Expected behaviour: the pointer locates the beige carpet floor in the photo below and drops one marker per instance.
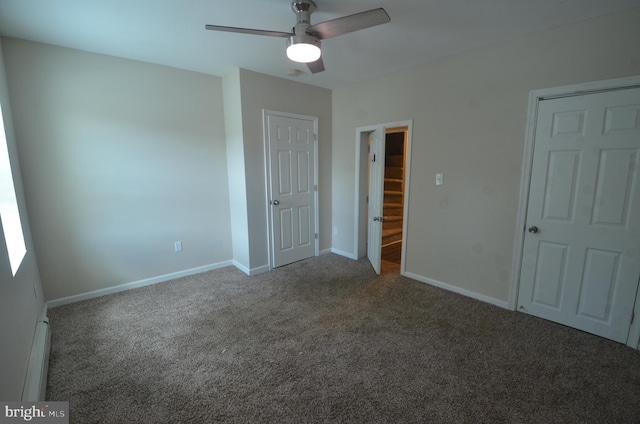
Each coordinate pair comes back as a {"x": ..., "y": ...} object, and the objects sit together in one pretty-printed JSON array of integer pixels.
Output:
[{"x": 327, "y": 341}]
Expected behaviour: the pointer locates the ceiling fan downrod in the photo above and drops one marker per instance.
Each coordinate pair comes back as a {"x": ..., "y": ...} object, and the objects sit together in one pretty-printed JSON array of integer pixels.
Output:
[{"x": 303, "y": 10}]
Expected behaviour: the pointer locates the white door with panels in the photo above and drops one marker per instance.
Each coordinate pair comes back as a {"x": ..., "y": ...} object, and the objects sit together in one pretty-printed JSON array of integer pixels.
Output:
[
  {"x": 291, "y": 143},
  {"x": 376, "y": 197},
  {"x": 581, "y": 253}
]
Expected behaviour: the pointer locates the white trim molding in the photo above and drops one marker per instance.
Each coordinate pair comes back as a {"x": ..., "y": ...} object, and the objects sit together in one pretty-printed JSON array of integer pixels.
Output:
[
  {"x": 325, "y": 251},
  {"x": 456, "y": 289},
  {"x": 345, "y": 254},
  {"x": 136, "y": 284},
  {"x": 252, "y": 271}
]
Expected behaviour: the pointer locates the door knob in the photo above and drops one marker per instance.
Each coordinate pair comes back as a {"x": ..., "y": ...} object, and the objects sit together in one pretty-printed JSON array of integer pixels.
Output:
[
  {"x": 276, "y": 202},
  {"x": 533, "y": 229}
]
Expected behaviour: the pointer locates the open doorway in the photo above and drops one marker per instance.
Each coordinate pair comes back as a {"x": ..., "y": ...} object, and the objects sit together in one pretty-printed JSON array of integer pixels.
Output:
[
  {"x": 393, "y": 197},
  {"x": 386, "y": 229}
]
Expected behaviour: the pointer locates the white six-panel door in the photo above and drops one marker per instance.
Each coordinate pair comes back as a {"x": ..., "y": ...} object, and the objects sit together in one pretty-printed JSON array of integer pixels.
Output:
[
  {"x": 376, "y": 197},
  {"x": 291, "y": 160},
  {"x": 581, "y": 254}
]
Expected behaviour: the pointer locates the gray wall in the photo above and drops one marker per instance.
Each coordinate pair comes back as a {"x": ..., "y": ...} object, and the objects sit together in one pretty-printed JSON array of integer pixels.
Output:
[
  {"x": 236, "y": 166},
  {"x": 469, "y": 115},
  {"x": 120, "y": 159},
  {"x": 260, "y": 92},
  {"x": 21, "y": 296},
  {"x": 123, "y": 158}
]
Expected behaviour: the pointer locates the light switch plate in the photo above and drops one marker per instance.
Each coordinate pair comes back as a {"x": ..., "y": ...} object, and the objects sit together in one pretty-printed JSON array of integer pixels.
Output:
[{"x": 439, "y": 179}]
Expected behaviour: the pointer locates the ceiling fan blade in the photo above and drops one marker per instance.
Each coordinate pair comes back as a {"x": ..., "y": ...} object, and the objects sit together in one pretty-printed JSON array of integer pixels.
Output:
[
  {"x": 349, "y": 23},
  {"x": 249, "y": 31},
  {"x": 317, "y": 66}
]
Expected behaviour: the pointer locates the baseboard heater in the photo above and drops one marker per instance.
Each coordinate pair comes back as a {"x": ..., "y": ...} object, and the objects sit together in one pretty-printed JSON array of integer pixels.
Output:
[{"x": 35, "y": 385}]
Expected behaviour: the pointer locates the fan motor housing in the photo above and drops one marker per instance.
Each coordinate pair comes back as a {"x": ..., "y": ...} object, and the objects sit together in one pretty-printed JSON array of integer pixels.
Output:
[
  {"x": 303, "y": 6},
  {"x": 303, "y": 9}
]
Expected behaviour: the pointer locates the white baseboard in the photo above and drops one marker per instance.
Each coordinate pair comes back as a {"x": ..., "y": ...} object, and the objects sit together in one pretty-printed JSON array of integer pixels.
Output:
[
  {"x": 242, "y": 267},
  {"x": 35, "y": 383},
  {"x": 501, "y": 303},
  {"x": 264, "y": 268},
  {"x": 259, "y": 270},
  {"x": 346, "y": 254},
  {"x": 251, "y": 271},
  {"x": 136, "y": 284}
]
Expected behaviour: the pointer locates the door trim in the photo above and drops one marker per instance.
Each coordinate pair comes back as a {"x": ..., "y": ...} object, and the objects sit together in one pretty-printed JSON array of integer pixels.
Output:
[
  {"x": 361, "y": 181},
  {"x": 267, "y": 177},
  {"x": 535, "y": 96}
]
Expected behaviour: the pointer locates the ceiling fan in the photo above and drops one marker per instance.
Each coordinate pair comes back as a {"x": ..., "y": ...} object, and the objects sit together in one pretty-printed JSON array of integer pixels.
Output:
[{"x": 303, "y": 42}]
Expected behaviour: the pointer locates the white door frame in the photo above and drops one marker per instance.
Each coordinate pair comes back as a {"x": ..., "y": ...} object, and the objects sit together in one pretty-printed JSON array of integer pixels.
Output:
[
  {"x": 535, "y": 96},
  {"x": 267, "y": 176},
  {"x": 361, "y": 184}
]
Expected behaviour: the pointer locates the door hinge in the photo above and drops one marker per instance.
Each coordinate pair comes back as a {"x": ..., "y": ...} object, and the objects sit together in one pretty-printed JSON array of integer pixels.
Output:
[
  {"x": 315, "y": 236},
  {"x": 373, "y": 159},
  {"x": 315, "y": 137},
  {"x": 367, "y": 199},
  {"x": 633, "y": 315},
  {"x": 315, "y": 187}
]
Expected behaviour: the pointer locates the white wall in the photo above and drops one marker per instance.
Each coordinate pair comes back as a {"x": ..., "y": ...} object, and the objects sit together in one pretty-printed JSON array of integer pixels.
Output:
[
  {"x": 120, "y": 159},
  {"x": 21, "y": 296},
  {"x": 469, "y": 115}
]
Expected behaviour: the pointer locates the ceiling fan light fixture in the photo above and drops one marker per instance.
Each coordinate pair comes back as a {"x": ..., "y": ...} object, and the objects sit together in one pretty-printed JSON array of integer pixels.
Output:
[
  {"x": 303, "y": 48},
  {"x": 303, "y": 42}
]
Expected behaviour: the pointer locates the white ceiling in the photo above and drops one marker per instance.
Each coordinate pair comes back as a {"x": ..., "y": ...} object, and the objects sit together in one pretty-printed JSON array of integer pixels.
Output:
[{"x": 171, "y": 32}]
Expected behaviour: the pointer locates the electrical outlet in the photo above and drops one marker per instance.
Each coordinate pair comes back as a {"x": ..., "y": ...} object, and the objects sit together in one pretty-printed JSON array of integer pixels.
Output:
[
  {"x": 335, "y": 231},
  {"x": 178, "y": 246},
  {"x": 439, "y": 179}
]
